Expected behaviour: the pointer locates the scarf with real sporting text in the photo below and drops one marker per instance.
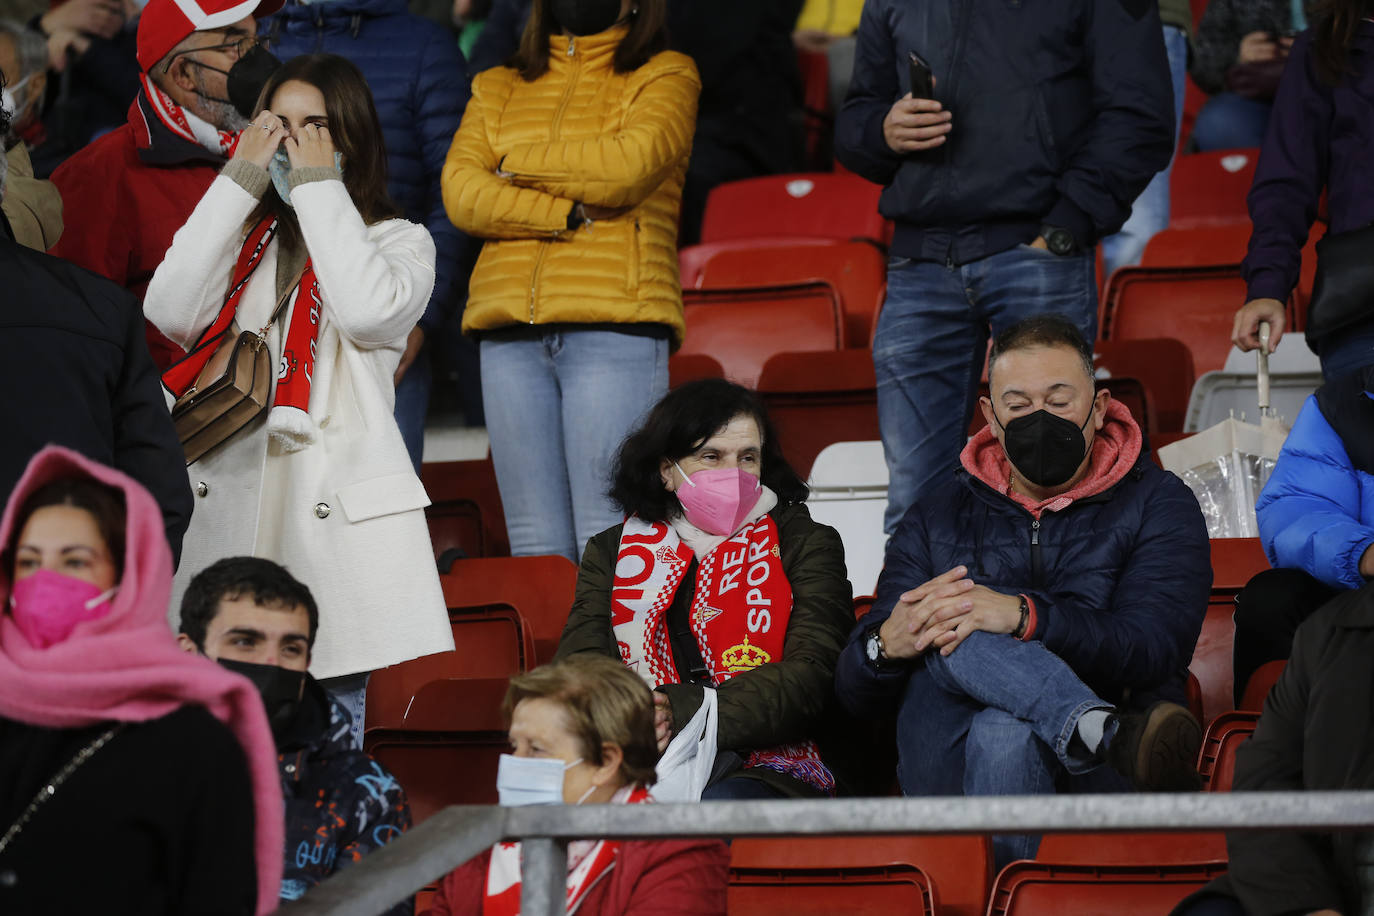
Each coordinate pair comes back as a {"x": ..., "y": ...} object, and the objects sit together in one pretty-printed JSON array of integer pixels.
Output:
[
  {"x": 739, "y": 616},
  {"x": 186, "y": 124},
  {"x": 289, "y": 419},
  {"x": 588, "y": 862}
]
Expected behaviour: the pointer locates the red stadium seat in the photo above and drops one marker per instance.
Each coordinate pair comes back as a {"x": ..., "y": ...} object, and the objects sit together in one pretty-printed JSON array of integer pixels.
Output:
[
  {"x": 1121, "y": 874},
  {"x": 873, "y": 875},
  {"x": 1213, "y": 246},
  {"x": 816, "y": 399},
  {"x": 1164, "y": 367},
  {"x": 539, "y": 589},
  {"x": 1234, "y": 562},
  {"x": 693, "y": 259},
  {"x": 1217, "y": 759},
  {"x": 807, "y": 205},
  {"x": 691, "y": 367},
  {"x": 742, "y": 328},
  {"x": 1195, "y": 305},
  {"x": 819, "y": 122},
  {"x": 465, "y": 510},
  {"x": 856, "y": 270},
  {"x": 1260, "y": 683},
  {"x": 1209, "y": 189}
]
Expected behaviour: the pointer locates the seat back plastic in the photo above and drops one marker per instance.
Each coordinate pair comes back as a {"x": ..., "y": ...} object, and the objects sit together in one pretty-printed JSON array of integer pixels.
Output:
[
  {"x": 857, "y": 270},
  {"x": 1259, "y": 685},
  {"x": 823, "y": 205},
  {"x": 1217, "y": 758},
  {"x": 1213, "y": 246},
  {"x": 953, "y": 871},
  {"x": 540, "y": 589},
  {"x": 1037, "y": 889},
  {"x": 817, "y": 399},
  {"x": 742, "y": 328},
  {"x": 1209, "y": 189},
  {"x": 465, "y": 508},
  {"x": 1195, "y": 305},
  {"x": 1162, "y": 365}
]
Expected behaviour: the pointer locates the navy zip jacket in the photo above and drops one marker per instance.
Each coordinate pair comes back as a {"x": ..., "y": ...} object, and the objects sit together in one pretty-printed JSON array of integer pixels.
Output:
[
  {"x": 1120, "y": 580},
  {"x": 1062, "y": 113},
  {"x": 1318, "y": 138},
  {"x": 419, "y": 84}
]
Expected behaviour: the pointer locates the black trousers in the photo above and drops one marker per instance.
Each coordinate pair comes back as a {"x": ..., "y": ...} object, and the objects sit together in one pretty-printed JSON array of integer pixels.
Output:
[{"x": 1268, "y": 612}]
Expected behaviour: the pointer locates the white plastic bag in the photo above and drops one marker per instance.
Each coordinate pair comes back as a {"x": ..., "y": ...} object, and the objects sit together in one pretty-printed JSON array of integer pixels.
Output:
[{"x": 686, "y": 763}]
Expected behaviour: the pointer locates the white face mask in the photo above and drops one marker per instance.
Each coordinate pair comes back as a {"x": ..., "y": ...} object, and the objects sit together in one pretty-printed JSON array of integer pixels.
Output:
[
  {"x": 7, "y": 100},
  {"x": 531, "y": 780}
]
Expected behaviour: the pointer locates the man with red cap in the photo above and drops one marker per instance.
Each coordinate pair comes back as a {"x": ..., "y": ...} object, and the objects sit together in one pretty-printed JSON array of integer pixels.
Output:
[{"x": 128, "y": 192}]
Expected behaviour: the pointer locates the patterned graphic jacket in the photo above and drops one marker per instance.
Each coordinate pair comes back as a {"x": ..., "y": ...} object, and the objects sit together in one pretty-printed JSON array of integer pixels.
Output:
[{"x": 340, "y": 803}]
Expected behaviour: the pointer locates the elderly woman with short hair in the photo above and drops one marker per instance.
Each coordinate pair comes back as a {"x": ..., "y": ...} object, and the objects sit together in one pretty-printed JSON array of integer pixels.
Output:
[{"x": 582, "y": 733}]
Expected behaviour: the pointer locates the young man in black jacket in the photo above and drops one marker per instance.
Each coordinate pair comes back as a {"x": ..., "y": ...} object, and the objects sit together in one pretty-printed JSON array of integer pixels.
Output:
[
  {"x": 1048, "y": 118},
  {"x": 254, "y": 618}
]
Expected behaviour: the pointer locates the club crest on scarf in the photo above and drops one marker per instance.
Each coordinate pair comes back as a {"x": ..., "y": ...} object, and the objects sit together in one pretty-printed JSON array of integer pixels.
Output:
[{"x": 739, "y": 613}]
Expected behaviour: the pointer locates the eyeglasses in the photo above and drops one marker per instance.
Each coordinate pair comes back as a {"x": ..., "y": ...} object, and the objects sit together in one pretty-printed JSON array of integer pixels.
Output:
[{"x": 234, "y": 49}]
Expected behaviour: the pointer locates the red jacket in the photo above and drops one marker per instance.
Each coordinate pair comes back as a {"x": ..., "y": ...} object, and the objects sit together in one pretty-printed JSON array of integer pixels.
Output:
[
  {"x": 650, "y": 878},
  {"x": 124, "y": 196}
]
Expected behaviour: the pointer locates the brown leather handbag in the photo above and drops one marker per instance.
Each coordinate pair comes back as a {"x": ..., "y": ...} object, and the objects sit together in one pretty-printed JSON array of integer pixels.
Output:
[{"x": 231, "y": 390}]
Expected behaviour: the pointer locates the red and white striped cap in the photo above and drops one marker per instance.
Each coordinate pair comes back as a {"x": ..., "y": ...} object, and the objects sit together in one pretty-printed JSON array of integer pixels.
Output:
[{"x": 164, "y": 23}]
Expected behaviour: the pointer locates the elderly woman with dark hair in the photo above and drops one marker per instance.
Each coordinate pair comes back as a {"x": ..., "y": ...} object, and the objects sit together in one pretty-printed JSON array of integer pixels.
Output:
[{"x": 719, "y": 578}]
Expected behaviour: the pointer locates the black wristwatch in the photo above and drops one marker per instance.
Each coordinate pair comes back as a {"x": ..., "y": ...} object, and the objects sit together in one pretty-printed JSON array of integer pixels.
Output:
[
  {"x": 1058, "y": 240},
  {"x": 873, "y": 649}
]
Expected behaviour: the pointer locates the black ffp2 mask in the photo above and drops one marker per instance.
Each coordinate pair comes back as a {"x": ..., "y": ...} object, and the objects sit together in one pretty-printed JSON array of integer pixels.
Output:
[
  {"x": 281, "y": 690},
  {"x": 245, "y": 79},
  {"x": 586, "y": 17},
  {"x": 1045, "y": 448}
]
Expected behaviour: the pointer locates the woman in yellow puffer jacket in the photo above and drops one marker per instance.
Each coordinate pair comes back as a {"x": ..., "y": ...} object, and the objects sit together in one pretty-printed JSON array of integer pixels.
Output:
[{"x": 570, "y": 163}]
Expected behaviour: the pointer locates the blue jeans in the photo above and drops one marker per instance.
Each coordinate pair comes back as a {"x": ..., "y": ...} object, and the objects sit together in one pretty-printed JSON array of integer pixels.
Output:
[
  {"x": 558, "y": 407},
  {"x": 1150, "y": 212},
  {"x": 997, "y": 716},
  {"x": 930, "y": 345},
  {"x": 1230, "y": 121},
  {"x": 412, "y": 406}
]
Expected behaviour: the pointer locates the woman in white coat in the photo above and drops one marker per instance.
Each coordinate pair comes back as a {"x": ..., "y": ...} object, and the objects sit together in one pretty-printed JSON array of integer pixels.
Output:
[{"x": 321, "y": 483}]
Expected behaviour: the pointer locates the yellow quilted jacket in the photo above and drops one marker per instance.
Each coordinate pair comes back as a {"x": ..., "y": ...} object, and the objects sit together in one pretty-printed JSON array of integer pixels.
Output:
[{"x": 527, "y": 151}]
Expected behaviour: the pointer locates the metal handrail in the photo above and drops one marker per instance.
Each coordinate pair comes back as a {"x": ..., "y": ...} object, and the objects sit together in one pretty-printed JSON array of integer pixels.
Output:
[{"x": 454, "y": 835}]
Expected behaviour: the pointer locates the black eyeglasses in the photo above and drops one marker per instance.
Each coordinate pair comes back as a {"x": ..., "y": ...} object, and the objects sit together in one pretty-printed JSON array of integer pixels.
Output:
[{"x": 233, "y": 49}]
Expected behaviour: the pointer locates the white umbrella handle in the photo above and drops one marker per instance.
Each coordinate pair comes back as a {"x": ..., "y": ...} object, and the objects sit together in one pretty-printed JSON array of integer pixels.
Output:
[{"x": 1263, "y": 373}]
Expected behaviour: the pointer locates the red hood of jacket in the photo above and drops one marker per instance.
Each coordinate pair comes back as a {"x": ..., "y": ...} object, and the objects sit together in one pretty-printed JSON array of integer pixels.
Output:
[{"x": 1116, "y": 448}]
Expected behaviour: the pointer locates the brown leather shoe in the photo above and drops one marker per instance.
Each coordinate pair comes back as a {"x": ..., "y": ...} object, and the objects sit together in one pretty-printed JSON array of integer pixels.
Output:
[{"x": 1157, "y": 749}]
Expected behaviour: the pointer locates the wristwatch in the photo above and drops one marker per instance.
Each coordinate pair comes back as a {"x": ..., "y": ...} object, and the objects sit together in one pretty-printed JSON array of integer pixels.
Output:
[
  {"x": 1060, "y": 241},
  {"x": 873, "y": 649},
  {"x": 1020, "y": 631}
]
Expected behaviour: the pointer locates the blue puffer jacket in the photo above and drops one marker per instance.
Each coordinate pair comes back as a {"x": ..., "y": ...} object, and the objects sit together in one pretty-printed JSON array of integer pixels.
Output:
[
  {"x": 419, "y": 84},
  {"x": 1316, "y": 513},
  {"x": 1120, "y": 580}
]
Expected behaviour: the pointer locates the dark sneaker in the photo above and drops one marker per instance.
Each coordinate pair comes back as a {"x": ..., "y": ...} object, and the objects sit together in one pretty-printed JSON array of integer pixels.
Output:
[{"x": 1157, "y": 749}]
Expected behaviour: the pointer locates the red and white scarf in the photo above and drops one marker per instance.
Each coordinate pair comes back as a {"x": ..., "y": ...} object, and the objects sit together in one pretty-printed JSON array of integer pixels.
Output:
[
  {"x": 186, "y": 124},
  {"x": 289, "y": 419},
  {"x": 739, "y": 616},
  {"x": 588, "y": 862}
]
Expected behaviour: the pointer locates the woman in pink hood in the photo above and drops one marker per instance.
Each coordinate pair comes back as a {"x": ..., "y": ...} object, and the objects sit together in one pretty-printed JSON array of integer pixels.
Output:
[{"x": 134, "y": 778}]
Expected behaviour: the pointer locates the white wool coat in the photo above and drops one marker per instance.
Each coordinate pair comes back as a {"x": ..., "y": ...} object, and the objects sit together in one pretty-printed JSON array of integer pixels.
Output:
[{"x": 345, "y": 514}]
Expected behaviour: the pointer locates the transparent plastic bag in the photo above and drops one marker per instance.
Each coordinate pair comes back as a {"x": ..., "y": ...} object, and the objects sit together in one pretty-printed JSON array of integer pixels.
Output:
[{"x": 1226, "y": 489}]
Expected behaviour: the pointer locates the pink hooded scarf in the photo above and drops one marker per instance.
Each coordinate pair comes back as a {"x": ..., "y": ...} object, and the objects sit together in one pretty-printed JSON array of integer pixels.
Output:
[{"x": 126, "y": 666}]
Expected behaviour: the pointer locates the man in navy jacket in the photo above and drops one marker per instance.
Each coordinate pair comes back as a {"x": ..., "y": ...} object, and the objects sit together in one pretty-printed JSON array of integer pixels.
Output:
[
  {"x": 1038, "y": 608},
  {"x": 1048, "y": 118}
]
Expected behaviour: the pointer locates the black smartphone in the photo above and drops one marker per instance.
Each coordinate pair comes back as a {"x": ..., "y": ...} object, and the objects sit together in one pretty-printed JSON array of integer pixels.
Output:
[{"x": 922, "y": 80}]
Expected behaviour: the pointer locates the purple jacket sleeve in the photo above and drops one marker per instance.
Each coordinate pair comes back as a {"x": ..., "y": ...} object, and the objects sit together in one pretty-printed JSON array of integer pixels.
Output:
[{"x": 1289, "y": 179}]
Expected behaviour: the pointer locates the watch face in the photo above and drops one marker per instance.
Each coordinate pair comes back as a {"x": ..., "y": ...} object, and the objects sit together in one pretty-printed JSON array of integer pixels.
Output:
[
  {"x": 1060, "y": 241},
  {"x": 871, "y": 647}
]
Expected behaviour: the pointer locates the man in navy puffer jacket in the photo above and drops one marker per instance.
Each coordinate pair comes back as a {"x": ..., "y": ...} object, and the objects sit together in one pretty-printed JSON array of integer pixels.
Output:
[
  {"x": 1038, "y": 608},
  {"x": 419, "y": 83}
]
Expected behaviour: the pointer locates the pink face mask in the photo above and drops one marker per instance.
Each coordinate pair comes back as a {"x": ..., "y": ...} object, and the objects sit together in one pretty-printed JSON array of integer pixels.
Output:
[
  {"x": 718, "y": 499},
  {"x": 47, "y": 606}
]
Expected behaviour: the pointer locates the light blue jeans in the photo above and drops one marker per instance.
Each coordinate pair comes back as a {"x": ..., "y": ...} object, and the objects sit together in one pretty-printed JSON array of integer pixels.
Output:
[
  {"x": 1230, "y": 121},
  {"x": 1150, "y": 212},
  {"x": 931, "y": 341},
  {"x": 412, "y": 405},
  {"x": 997, "y": 716},
  {"x": 558, "y": 407}
]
